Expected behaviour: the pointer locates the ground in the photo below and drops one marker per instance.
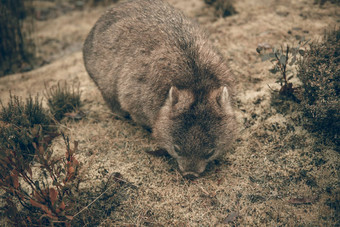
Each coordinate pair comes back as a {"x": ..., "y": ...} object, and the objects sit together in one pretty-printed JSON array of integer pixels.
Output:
[{"x": 277, "y": 172}]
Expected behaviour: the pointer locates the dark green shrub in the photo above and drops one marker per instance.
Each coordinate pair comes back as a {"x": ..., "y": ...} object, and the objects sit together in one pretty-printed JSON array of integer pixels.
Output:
[
  {"x": 223, "y": 8},
  {"x": 62, "y": 99},
  {"x": 25, "y": 114},
  {"x": 17, "y": 122},
  {"x": 319, "y": 72}
]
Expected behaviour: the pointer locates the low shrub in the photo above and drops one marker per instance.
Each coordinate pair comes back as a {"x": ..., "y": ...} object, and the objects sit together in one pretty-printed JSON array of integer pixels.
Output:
[
  {"x": 283, "y": 59},
  {"x": 62, "y": 99},
  {"x": 40, "y": 197},
  {"x": 319, "y": 72},
  {"x": 17, "y": 125},
  {"x": 223, "y": 8}
]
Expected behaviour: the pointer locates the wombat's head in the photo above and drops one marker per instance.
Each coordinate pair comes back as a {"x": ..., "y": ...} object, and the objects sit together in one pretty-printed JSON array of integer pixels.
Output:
[{"x": 195, "y": 128}]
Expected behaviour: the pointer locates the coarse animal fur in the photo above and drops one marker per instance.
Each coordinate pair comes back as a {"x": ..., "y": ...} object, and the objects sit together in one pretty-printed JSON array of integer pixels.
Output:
[{"x": 154, "y": 64}]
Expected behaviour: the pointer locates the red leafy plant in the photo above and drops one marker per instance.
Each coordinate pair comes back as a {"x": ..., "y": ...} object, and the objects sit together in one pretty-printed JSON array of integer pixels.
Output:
[{"x": 44, "y": 199}]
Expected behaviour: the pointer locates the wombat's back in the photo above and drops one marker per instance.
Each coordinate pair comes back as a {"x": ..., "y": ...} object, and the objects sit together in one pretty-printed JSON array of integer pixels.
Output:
[
  {"x": 131, "y": 53},
  {"x": 137, "y": 51}
]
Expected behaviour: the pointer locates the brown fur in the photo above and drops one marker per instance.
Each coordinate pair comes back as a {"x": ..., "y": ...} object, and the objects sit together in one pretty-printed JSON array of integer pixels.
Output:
[{"x": 154, "y": 64}]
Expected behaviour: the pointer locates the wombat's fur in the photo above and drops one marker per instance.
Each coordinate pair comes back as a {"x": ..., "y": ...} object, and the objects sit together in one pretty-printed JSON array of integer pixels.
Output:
[{"x": 156, "y": 65}]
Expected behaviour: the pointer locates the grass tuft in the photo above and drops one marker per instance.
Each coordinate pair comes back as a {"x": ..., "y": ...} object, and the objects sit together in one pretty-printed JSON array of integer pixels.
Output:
[
  {"x": 63, "y": 99},
  {"x": 18, "y": 121}
]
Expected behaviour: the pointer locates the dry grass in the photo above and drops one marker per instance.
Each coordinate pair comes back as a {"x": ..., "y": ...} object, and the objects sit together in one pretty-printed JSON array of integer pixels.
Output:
[{"x": 277, "y": 173}]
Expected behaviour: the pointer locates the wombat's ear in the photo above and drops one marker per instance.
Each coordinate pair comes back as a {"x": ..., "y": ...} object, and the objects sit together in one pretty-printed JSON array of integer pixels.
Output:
[
  {"x": 223, "y": 100},
  {"x": 173, "y": 95}
]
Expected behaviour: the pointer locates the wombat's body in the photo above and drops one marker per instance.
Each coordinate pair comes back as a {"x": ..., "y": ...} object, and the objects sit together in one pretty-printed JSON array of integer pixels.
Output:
[{"x": 154, "y": 64}]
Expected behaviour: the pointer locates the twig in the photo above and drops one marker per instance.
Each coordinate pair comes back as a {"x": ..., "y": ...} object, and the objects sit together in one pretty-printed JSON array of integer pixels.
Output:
[
  {"x": 92, "y": 202},
  {"x": 285, "y": 66},
  {"x": 271, "y": 88}
]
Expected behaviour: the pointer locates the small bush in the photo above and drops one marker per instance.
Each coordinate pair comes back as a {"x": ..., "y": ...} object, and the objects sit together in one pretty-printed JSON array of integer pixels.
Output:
[
  {"x": 41, "y": 199},
  {"x": 319, "y": 72},
  {"x": 17, "y": 123},
  {"x": 283, "y": 59},
  {"x": 62, "y": 99},
  {"x": 25, "y": 114},
  {"x": 37, "y": 187},
  {"x": 223, "y": 8}
]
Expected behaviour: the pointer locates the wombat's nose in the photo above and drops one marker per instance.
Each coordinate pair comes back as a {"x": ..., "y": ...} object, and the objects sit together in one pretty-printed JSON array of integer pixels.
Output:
[{"x": 190, "y": 175}]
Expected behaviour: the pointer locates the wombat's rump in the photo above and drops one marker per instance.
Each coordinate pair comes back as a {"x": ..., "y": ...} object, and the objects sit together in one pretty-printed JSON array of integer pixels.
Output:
[{"x": 154, "y": 64}]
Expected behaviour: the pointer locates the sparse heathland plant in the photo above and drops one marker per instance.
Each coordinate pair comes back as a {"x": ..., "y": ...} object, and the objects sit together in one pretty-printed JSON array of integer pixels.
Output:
[
  {"x": 223, "y": 8},
  {"x": 32, "y": 197},
  {"x": 319, "y": 72},
  {"x": 17, "y": 124},
  {"x": 39, "y": 187},
  {"x": 283, "y": 58},
  {"x": 38, "y": 195},
  {"x": 63, "y": 99}
]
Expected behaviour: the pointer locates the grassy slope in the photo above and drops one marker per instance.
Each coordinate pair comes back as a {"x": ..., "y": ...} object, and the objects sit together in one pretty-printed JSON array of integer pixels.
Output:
[{"x": 273, "y": 162}]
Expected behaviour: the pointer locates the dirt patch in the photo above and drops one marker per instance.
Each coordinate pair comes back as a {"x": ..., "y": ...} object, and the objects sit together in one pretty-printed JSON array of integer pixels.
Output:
[{"x": 277, "y": 172}]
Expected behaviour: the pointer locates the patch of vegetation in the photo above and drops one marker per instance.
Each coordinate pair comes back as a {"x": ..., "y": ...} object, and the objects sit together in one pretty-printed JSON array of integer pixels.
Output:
[
  {"x": 322, "y": 2},
  {"x": 17, "y": 126},
  {"x": 38, "y": 196},
  {"x": 63, "y": 99},
  {"x": 282, "y": 59},
  {"x": 38, "y": 187},
  {"x": 25, "y": 114},
  {"x": 223, "y": 8},
  {"x": 17, "y": 48},
  {"x": 319, "y": 72},
  {"x": 47, "y": 193}
]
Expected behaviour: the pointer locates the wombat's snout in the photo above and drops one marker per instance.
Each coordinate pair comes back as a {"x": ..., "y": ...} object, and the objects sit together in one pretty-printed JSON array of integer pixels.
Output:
[{"x": 191, "y": 168}]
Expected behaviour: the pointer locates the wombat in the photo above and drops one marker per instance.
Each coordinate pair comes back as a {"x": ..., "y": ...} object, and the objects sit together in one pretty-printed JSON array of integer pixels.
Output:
[{"x": 155, "y": 65}]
